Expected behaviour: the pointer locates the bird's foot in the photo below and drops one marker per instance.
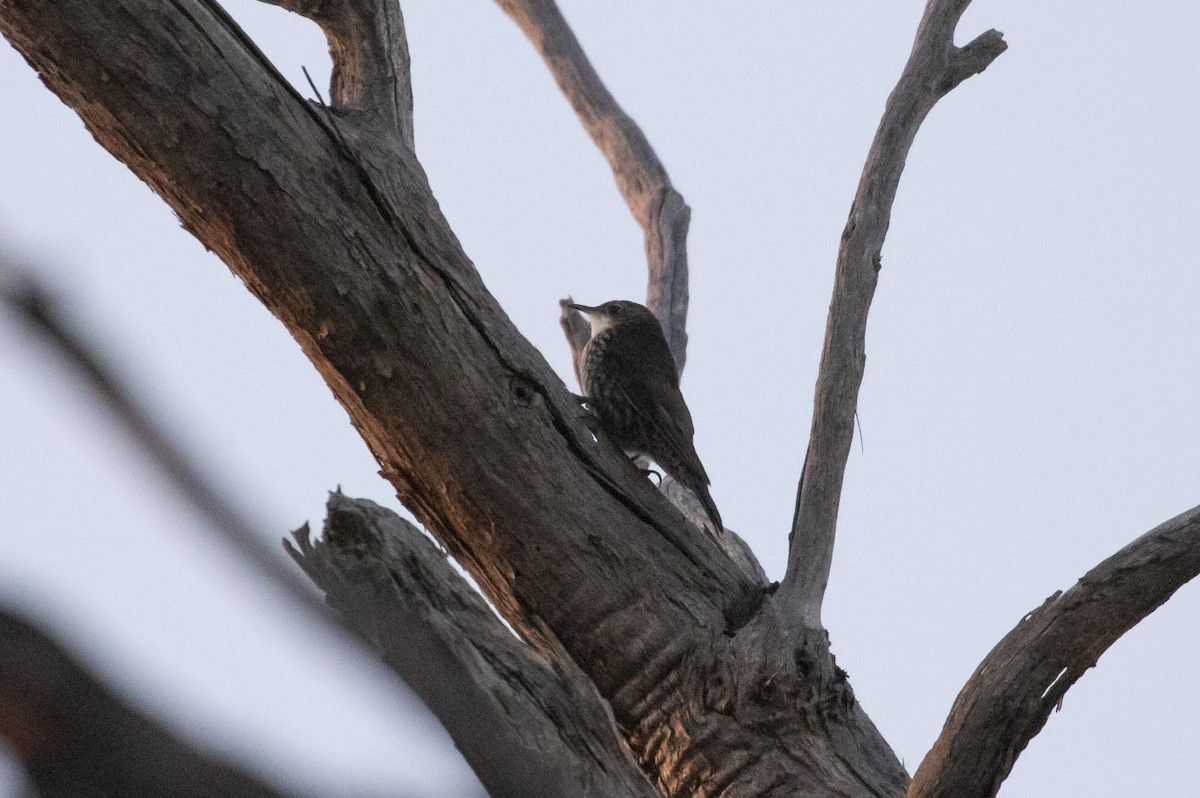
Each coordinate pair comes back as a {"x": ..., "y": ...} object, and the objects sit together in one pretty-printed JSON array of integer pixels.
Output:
[
  {"x": 650, "y": 473},
  {"x": 586, "y": 414}
]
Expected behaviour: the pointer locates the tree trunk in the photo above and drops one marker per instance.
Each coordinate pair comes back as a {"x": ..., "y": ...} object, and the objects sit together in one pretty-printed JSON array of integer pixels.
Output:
[{"x": 717, "y": 685}]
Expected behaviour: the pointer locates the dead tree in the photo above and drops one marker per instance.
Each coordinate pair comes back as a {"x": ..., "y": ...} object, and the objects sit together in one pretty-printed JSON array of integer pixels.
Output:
[{"x": 652, "y": 660}]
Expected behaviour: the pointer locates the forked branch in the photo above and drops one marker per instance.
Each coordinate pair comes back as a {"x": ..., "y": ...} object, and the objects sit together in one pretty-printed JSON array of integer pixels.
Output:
[
  {"x": 935, "y": 67},
  {"x": 1011, "y": 694},
  {"x": 641, "y": 177},
  {"x": 371, "y": 72},
  {"x": 347, "y": 246}
]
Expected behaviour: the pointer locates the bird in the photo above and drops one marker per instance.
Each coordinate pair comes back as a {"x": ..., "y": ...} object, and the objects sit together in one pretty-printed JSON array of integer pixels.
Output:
[{"x": 631, "y": 385}]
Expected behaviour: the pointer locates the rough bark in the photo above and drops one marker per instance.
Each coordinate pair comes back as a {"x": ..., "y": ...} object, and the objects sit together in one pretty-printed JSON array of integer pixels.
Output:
[
  {"x": 76, "y": 738},
  {"x": 935, "y": 67},
  {"x": 501, "y": 702},
  {"x": 717, "y": 687},
  {"x": 370, "y": 81},
  {"x": 332, "y": 225},
  {"x": 1011, "y": 694},
  {"x": 335, "y": 230}
]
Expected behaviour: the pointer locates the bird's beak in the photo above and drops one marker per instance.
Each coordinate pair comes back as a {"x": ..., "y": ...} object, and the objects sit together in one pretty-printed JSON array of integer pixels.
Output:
[{"x": 582, "y": 308}]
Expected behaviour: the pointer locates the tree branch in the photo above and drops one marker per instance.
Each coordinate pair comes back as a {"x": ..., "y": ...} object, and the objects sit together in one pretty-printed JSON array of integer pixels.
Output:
[
  {"x": 337, "y": 232},
  {"x": 934, "y": 67},
  {"x": 74, "y": 737},
  {"x": 349, "y": 249},
  {"x": 342, "y": 239},
  {"x": 730, "y": 542},
  {"x": 371, "y": 70},
  {"x": 578, "y": 332},
  {"x": 24, "y": 297},
  {"x": 641, "y": 177},
  {"x": 1011, "y": 694},
  {"x": 525, "y": 726}
]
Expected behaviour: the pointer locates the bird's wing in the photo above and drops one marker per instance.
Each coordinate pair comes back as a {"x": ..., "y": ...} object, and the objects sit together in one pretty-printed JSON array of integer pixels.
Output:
[
  {"x": 662, "y": 407},
  {"x": 670, "y": 401},
  {"x": 643, "y": 371}
]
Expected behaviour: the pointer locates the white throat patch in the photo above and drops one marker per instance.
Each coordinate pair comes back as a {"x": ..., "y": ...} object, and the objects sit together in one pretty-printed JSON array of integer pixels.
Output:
[{"x": 600, "y": 323}]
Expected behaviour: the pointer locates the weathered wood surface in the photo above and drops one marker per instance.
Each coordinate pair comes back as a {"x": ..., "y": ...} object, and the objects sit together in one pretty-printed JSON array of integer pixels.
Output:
[
  {"x": 502, "y": 702},
  {"x": 717, "y": 687}
]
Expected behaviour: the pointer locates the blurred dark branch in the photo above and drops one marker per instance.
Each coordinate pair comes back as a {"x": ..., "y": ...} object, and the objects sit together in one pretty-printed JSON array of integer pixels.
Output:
[
  {"x": 25, "y": 298},
  {"x": 75, "y": 738}
]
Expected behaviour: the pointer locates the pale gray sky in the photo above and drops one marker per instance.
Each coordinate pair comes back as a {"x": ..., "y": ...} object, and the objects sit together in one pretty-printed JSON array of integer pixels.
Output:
[{"x": 1030, "y": 402}]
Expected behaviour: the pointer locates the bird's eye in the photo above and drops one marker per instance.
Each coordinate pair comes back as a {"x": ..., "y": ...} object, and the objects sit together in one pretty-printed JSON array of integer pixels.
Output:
[{"x": 614, "y": 309}]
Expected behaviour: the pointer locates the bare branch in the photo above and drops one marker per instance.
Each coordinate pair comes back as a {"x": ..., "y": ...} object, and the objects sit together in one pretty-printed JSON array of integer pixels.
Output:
[
  {"x": 75, "y": 737},
  {"x": 641, "y": 177},
  {"x": 21, "y": 295},
  {"x": 525, "y": 726},
  {"x": 1011, "y": 694},
  {"x": 935, "y": 67},
  {"x": 371, "y": 68},
  {"x": 578, "y": 332},
  {"x": 346, "y": 245},
  {"x": 349, "y": 249}
]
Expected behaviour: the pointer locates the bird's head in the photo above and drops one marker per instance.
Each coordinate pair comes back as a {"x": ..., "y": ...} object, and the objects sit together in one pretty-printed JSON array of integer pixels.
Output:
[{"x": 615, "y": 313}]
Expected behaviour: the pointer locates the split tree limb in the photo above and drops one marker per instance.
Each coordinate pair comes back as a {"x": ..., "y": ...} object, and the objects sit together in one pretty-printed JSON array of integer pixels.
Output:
[
  {"x": 641, "y": 177},
  {"x": 337, "y": 232},
  {"x": 371, "y": 69},
  {"x": 1011, "y": 694},
  {"x": 934, "y": 67},
  {"x": 525, "y": 726}
]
